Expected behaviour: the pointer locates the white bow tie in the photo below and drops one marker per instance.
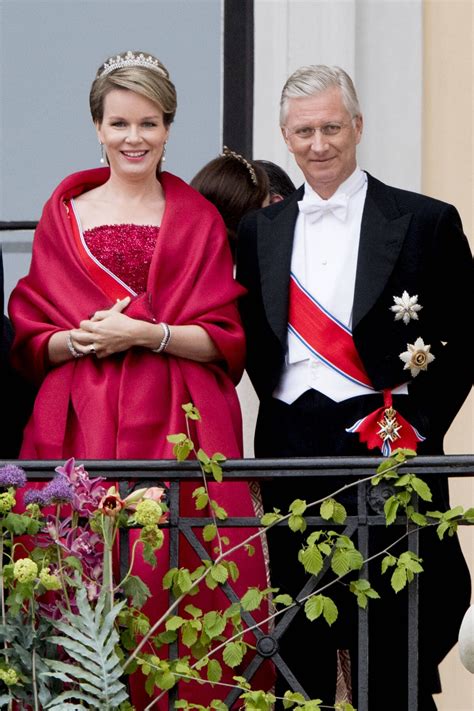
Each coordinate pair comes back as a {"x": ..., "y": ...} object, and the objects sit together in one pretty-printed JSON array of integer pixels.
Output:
[{"x": 314, "y": 209}]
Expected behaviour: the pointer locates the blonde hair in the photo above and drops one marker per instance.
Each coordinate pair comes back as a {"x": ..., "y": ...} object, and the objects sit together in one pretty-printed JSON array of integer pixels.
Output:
[{"x": 150, "y": 81}]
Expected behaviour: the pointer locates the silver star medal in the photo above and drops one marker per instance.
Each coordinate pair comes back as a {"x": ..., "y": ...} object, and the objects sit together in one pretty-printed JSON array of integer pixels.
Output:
[
  {"x": 406, "y": 308},
  {"x": 417, "y": 357}
]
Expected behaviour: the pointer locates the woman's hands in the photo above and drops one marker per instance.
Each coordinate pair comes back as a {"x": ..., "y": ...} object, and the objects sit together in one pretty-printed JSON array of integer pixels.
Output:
[
  {"x": 107, "y": 332},
  {"x": 110, "y": 331}
]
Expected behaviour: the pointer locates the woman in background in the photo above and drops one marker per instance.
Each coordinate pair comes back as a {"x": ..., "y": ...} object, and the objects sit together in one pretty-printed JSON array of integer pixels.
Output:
[
  {"x": 235, "y": 186},
  {"x": 129, "y": 310}
]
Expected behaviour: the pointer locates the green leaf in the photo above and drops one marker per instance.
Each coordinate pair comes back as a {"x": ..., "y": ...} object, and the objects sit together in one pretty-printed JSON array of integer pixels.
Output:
[
  {"x": 191, "y": 411},
  {"x": 174, "y": 623},
  {"x": 390, "y": 509},
  {"x": 421, "y": 488},
  {"x": 168, "y": 578},
  {"x": 311, "y": 559},
  {"x": 269, "y": 518},
  {"x": 189, "y": 635},
  {"x": 388, "y": 562},
  {"x": 202, "y": 498},
  {"x": 418, "y": 518},
  {"x": 284, "y": 600},
  {"x": 137, "y": 590},
  {"x": 252, "y": 599},
  {"x": 327, "y": 509},
  {"x": 330, "y": 612},
  {"x": 250, "y": 549},
  {"x": 219, "y": 573},
  {"x": 314, "y": 607},
  {"x": 441, "y": 529},
  {"x": 167, "y": 680},
  {"x": 202, "y": 456},
  {"x": 216, "y": 471},
  {"x": 183, "y": 580},
  {"x": 452, "y": 513},
  {"x": 214, "y": 670},
  {"x": 339, "y": 514},
  {"x": 233, "y": 654},
  {"x": 177, "y": 438},
  {"x": 298, "y": 507},
  {"x": 213, "y": 624},
  {"x": 209, "y": 532},
  {"x": 399, "y": 579},
  {"x": 297, "y": 523}
]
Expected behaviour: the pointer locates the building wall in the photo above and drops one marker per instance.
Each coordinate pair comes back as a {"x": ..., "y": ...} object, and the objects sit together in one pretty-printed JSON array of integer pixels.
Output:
[{"x": 447, "y": 173}]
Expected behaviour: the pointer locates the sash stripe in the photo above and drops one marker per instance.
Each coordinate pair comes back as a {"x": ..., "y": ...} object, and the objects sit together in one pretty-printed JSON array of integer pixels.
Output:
[{"x": 323, "y": 335}]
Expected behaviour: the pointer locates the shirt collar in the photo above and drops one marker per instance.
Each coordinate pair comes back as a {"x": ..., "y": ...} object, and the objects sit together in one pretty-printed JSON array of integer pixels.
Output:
[{"x": 349, "y": 187}]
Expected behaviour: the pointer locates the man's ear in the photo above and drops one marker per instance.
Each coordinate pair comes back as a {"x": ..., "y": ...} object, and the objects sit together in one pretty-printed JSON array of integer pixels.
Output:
[{"x": 285, "y": 138}]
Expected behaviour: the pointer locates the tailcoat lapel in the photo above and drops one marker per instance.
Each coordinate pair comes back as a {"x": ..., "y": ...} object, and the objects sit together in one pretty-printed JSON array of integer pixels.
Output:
[
  {"x": 275, "y": 245},
  {"x": 383, "y": 230}
]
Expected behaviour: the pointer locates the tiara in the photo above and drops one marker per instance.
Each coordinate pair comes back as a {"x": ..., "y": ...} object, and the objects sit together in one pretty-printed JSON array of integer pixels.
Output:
[
  {"x": 131, "y": 60},
  {"x": 227, "y": 153}
]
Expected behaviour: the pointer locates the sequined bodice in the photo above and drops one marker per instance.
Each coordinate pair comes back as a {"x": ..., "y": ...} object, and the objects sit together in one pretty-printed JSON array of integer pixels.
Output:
[{"x": 126, "y": 250}]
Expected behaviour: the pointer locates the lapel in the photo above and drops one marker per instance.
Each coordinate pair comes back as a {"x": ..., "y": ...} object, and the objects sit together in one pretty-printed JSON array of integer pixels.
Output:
[
  {"x": 383, "y": 230},
  {"x": 275, "y": 244}
]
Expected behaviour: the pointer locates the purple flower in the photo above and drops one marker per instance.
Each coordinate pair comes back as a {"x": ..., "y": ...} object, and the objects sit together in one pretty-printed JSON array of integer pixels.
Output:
[
  {"x": 35, "y": 496},
  {"x": 11, "y": 475},
  {"x": 86, "y": 492},
  {"x": 59, "y": 490}
]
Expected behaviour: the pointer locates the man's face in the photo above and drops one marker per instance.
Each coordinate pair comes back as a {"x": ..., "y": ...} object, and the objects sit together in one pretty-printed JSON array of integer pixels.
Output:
[{"x": 326, "y": 160}]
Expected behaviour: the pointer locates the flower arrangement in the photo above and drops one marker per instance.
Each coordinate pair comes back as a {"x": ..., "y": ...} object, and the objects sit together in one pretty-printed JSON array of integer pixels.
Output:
[{"x": 71, "y": 630}]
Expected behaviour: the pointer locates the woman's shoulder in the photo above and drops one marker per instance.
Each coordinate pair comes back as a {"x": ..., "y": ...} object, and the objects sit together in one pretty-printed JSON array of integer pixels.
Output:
[{"x": 177, "y": 188}]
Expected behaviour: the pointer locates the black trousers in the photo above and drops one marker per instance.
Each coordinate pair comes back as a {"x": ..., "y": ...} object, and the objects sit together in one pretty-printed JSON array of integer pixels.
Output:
[{"x": 314, "y": 426}]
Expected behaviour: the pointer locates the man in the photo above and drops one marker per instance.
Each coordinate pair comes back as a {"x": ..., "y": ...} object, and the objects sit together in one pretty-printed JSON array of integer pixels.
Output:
[
  {"x": 281, "y": 185},
  {"x": 357, "y": 301}
]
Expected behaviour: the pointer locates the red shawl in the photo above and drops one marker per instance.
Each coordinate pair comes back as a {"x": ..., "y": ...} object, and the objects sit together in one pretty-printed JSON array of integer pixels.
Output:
[
  {"x": 122, "y": 407},
  {"x": 127, "y": 404}
]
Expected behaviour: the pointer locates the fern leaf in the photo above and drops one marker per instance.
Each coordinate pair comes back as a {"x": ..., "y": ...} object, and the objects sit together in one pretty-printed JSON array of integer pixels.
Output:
[{"x": 94, "y": 668}]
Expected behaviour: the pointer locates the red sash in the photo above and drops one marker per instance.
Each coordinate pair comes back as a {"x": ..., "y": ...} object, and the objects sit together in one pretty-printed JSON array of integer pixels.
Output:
[
  {"x": 330, "y": 341},
  {"x": 323, "y": 335}
]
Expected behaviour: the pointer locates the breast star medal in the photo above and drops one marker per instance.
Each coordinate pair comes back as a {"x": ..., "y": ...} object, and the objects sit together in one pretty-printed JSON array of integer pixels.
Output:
[{"x": 406, "y": 307}]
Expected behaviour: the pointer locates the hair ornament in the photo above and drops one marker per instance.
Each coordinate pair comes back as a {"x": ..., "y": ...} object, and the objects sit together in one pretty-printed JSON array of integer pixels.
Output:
[
  {"x": 227, "y": 153},
  {"x": 131, "y": 60}
]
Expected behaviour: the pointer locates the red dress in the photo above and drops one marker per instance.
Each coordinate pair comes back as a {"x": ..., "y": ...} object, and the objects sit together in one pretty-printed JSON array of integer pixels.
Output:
[{"x": 123, "y": 406}]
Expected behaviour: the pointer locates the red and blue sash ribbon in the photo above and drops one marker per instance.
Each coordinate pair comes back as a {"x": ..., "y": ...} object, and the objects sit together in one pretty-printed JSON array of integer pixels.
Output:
[{"x": 329, "y": 340}]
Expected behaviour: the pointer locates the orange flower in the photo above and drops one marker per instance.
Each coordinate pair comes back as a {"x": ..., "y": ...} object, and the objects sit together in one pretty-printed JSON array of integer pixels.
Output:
[{"x": 111, "y": 504}]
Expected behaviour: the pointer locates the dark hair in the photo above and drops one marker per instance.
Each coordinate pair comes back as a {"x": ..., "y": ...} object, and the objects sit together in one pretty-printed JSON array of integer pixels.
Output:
[
  {"x": 280, "y": 182},
  {"x": 235, "y": 186}
]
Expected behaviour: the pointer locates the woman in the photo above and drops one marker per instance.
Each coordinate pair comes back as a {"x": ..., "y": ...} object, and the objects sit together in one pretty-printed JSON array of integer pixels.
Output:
[
  {"x": 235, "y": 186},
  {"x": 128, "y": 310}
]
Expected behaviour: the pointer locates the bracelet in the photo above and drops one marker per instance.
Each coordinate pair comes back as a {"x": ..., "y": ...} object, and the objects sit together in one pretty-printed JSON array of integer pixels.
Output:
[
  {"x": 72, "y": 350},
  {"x": 165, "y": 340}
]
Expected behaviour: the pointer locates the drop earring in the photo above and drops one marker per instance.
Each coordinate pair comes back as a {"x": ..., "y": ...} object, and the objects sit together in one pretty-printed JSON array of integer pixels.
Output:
[
  {"x": 102, "y": 154},
  {"x": 163, "y": 155}
]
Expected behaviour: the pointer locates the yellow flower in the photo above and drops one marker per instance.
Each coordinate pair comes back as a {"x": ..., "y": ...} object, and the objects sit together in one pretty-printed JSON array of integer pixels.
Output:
[{"x": 25, "y": 570}]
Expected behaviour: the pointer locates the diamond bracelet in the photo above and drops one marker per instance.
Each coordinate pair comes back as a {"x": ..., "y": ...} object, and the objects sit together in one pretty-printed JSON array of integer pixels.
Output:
[
  {"x": 72, "y": 349},
  {"x": 165, "y": 340}
]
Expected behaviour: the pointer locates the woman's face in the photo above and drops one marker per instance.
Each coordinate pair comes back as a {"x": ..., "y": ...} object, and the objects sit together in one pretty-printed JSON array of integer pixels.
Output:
[{"x": 133, "y": 133}]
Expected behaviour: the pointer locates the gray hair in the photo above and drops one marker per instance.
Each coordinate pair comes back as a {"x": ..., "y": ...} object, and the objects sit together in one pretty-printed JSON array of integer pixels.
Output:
[{"x": 310, "y": 80}]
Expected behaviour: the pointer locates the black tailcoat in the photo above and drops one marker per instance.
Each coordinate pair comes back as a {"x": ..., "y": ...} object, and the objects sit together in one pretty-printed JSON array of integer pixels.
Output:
[{"x": 408, "y": 242}]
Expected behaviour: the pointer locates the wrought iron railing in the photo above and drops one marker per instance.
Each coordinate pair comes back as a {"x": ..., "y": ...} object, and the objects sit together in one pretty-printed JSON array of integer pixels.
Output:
[{"x": 368, "y": 516}]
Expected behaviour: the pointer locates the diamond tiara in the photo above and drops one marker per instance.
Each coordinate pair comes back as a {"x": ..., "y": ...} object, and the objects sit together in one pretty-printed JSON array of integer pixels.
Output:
[
  {"x": 131, "y": 60},
  {"x": 227, "y": 153}
]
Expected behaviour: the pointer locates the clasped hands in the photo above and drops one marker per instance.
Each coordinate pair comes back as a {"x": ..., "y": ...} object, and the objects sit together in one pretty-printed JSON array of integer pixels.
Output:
[{"x": 106, "y": 332}]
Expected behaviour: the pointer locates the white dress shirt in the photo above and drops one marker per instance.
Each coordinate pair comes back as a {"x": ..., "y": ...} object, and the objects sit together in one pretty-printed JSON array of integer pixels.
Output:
[{"x": 324, "y": 260}]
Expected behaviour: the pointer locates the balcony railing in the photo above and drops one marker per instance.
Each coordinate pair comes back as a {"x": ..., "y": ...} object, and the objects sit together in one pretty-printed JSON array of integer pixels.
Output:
[{"x": 368, "y": 516}]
